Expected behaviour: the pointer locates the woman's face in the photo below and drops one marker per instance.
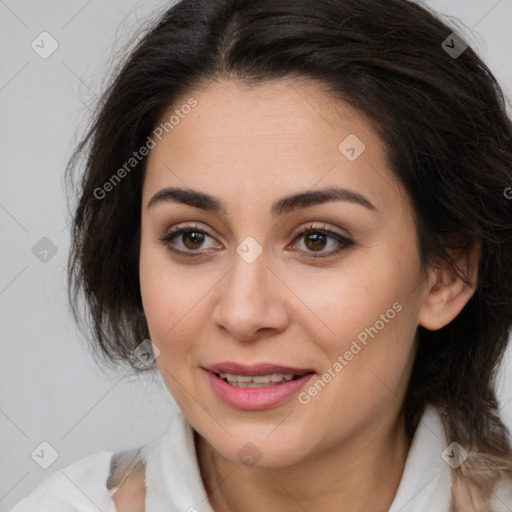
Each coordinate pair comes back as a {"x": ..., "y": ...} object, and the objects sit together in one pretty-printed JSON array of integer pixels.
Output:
[{"x": 337, "y": 306}]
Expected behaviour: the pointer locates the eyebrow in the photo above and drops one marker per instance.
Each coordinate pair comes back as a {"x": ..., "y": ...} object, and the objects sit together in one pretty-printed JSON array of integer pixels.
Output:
[{"x": 280, "y": 207}]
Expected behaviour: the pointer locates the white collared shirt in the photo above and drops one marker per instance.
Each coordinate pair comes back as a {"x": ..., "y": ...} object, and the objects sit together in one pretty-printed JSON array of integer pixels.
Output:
[{"x": 173, "y": 480}]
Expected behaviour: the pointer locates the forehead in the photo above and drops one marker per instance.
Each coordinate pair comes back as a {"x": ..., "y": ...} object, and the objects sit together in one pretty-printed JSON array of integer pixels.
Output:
[{"x": 282, "y": 135}]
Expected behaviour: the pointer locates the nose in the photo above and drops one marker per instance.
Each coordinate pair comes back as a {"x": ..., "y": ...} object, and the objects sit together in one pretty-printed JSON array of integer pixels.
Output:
[{"x": 251, "y": 301}]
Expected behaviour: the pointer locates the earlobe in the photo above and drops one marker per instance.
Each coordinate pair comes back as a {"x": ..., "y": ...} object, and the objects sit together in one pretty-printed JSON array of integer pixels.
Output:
[{"x": 447, "y": 292}]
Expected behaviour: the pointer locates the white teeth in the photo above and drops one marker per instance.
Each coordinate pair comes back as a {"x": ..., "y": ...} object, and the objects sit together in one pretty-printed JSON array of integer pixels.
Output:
[
  {"x": 236, "y": 378},
  {"x": 256, "y": 381},
  {"x": 262, "y": 379}
]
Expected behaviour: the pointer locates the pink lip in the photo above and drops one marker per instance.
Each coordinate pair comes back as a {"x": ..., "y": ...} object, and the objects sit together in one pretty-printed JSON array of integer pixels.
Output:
[{"x": 256, "y": 398}]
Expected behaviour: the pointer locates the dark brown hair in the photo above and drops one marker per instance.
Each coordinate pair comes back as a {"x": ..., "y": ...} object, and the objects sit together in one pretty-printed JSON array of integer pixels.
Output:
[{"x": 443, "y": 122}]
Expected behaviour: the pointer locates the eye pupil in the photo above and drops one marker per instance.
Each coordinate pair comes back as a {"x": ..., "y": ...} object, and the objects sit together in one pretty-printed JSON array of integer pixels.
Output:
[
  {"x": 318, "y": 240},
  {"x": 197, "y": 239}
]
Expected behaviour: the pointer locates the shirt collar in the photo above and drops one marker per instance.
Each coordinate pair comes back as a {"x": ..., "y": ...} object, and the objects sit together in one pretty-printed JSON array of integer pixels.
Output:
[{"x": 426, "y": 480}]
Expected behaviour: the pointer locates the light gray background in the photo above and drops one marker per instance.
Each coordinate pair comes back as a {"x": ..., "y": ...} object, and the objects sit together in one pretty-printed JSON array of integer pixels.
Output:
[{"x": 51, "y": 389}]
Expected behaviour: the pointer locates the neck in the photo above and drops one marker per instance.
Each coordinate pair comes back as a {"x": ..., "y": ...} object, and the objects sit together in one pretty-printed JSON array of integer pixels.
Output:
[{"x": 361, "y": 474}]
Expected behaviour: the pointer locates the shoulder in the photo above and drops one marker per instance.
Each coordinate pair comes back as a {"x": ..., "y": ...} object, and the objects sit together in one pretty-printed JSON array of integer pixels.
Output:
[{"x": 79, "y": 487}]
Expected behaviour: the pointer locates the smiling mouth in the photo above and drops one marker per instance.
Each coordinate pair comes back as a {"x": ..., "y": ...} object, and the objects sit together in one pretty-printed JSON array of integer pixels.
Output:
[{"x": 257, "y": 381}]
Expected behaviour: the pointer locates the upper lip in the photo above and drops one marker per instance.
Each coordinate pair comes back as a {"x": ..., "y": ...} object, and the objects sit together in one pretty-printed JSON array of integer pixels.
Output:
[{"x": 255, "y": 369}]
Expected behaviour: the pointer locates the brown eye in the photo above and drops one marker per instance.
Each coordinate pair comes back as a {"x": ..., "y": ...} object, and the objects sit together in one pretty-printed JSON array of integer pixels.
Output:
[
  {"x": 315, "y": 241},
  {"x": 192, "y": 239},
  {"x": 187, "y": 241}
]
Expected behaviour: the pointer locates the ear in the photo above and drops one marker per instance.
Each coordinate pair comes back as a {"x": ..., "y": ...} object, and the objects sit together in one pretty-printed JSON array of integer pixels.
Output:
[{"x": 447, "y": 293}]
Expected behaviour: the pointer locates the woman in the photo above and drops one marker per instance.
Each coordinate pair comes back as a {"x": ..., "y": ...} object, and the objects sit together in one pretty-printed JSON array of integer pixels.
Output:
[{"x": 302, "y": 205}]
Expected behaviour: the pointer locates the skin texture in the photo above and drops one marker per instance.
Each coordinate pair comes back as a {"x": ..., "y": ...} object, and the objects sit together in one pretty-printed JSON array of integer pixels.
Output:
[
  {"x": 346, "y": 448},
  {"x": 131, "y": 495}
]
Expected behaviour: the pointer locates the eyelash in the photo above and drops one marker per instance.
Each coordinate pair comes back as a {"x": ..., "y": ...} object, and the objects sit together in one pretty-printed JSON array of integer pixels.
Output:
[{"x": 345, "y": 242}]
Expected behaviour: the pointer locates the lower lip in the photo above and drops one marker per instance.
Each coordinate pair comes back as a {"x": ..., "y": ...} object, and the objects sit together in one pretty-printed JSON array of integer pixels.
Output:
[{"x": 252, "y": 399}]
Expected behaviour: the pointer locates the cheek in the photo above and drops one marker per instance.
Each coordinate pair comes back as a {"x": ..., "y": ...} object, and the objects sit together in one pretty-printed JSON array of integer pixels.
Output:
[
  {"x": 164, "y": 288},
  {"x": 160, "y": 294},
  {"x": 367, "y": 315},
  {"x": 166, "y": 306},
  {"x": 344, "y": 303},
  {"x": 175, "y": 306}
]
